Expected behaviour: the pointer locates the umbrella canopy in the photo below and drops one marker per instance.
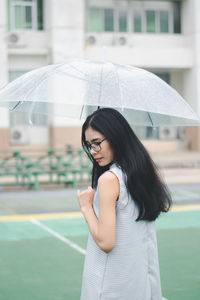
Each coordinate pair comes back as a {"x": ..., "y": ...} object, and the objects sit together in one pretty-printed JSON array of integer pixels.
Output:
[{"x": 79, "y": 87}]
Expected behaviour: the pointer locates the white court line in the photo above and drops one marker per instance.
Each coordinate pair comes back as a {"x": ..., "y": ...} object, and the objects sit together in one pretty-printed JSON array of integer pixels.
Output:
[
  {"x": 62, "y": 238},
  {"x": 59, "y": 236}
]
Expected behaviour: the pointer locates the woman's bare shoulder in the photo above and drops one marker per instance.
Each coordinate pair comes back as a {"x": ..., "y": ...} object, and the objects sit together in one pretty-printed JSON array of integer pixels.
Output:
[
  {"x": 108, "y": 177},
  {"x": 108, "y": 183}
]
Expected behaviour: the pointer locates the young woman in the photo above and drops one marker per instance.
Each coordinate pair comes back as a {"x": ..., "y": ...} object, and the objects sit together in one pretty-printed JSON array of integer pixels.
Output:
[{"x": 126, "y": 197}]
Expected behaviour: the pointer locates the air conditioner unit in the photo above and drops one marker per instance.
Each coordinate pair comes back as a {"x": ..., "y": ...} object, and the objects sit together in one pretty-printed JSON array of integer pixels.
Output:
[
  {"x": 168, "y": 133},
  {"x": 181, "y": 133},
  {"x": 19, "y": 135},
  {"x": 122, "y": 40},
  {"x": 91, "y": 40},
  {"x": 15, "y": 39},
  {"x": 119, "y": 41}
]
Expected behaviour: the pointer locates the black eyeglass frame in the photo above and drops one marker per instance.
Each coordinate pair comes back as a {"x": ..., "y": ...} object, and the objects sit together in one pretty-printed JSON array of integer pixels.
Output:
[{"x": 95, "y": 145}]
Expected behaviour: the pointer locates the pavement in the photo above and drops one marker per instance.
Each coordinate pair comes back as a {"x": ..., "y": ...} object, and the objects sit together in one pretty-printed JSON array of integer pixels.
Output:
[
  {"x": 180, "y": 171},
  {"x": 179, "y": 167}
]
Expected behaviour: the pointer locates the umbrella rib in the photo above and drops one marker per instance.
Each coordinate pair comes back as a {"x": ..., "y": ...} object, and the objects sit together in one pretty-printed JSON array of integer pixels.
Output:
[
  {"x": 76, "y": 77},
  {"x": 150, "y": 118},
  {"x": 81, "y": 111},
  {"x": 117, "y": 76},
  {"x": 76, "y": 69},
  {"x": 41, "y": 79},
  {"x": 17, "y": 104},
  {"x": 100, "y": 90}
]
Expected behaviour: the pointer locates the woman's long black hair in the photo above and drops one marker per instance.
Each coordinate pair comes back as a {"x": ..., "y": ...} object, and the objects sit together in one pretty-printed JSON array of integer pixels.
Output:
[{"x": 143, "y": 182}]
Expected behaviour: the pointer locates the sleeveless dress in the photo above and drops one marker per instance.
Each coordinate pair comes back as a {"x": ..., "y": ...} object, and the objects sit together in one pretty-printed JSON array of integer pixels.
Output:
[{"x": 131, "y": 270}]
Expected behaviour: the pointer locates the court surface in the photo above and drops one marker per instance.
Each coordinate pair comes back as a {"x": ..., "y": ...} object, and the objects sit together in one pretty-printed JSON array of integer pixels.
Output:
[{"x": 42, "y": 254}]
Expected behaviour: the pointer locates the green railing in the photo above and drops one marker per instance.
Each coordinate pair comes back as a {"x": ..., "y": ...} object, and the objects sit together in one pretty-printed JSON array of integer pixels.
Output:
[{"x": 33, "y": 168}]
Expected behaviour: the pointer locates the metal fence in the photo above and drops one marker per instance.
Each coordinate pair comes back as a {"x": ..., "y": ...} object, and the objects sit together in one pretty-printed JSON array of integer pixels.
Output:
[{"x": 31, "y": 169}]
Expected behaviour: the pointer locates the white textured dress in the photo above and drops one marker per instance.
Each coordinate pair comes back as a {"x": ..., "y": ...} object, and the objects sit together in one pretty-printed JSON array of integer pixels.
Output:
[{"x": 131, "y": 270}]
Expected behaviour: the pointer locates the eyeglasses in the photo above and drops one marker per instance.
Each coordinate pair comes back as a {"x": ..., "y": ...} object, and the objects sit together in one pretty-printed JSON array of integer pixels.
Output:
[{"x": 96, "y": 146}]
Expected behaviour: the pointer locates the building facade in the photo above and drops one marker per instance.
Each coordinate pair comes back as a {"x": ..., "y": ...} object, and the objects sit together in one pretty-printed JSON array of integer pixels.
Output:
[{"x": 160, "y": 36}]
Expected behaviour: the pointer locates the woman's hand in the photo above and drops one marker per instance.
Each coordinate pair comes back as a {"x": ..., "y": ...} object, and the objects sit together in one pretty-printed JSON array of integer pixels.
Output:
[
  {"x": 85, "y": 199},
  {"x": 102, "y": 228}
]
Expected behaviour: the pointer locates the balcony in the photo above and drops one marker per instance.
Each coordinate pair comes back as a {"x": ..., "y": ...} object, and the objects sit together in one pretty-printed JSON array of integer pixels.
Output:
[
  {"x": 27, "y": 42},
  {"x": 173, "y": 51},
  {"x": 27, "y": 49}
]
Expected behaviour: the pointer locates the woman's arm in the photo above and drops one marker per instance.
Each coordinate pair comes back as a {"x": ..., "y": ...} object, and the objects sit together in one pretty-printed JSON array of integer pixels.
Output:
[{"x": 102, "y": 228}]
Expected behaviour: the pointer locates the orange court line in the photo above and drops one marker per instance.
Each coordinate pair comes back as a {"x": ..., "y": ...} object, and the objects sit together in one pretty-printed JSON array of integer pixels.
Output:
[
  {"x": 79, "y": 214},
  {"x": 185, "y": 207},
  {"x": 41, "y": 216}
]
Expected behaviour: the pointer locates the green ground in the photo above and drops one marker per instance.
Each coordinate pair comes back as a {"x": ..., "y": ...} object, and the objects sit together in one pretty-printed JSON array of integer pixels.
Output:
[{"x": 35, "y": 265}]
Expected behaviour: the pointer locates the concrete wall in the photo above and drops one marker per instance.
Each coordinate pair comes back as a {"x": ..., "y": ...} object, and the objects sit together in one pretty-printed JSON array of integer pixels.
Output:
[
  {"x": 191, "y": 27},
  {"x": 4, "y": 119},
  {"x": 67, "y": 42},
  {"x": 144, "y": 50},
  {"x": 191, "y": 76},
  {"x": 67, "y": 25}
]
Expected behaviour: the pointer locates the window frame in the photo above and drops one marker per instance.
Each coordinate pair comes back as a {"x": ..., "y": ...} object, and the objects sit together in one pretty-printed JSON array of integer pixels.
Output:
[
  {"x": 130, "y": 7},
  {"x": 23, "y": 4},
  {"x": 103, "y": 19},
  {"x": 155, "y": 6}
]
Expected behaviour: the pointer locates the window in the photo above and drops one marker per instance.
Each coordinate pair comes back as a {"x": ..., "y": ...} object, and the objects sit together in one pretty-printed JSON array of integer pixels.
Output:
[
  {"x": 156, "y": 16},
  {"x": 177, "y": 17},
  {"x": 150, "y": 21},
  {"x": 137, "y": 22},
  {"x": 25, "y": 14},
  {"x": 164, "y": 21},
  {"x": 108, "y": 19},
  {"x": 150, "y": 132},
  {"x": 122, "y": 21},
  {"x": 100, "y": 20},
  {"x": 134, "y": 16},
  {"x": 95, "y": 20}
]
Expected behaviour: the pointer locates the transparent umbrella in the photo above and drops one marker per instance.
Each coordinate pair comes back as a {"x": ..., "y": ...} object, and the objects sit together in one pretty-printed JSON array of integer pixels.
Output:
[{"x": 76, "y": 88}]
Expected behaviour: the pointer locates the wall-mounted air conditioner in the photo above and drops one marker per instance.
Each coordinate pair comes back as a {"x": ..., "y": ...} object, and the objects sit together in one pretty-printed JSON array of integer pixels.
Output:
[
  {"x": 19, "y": 135},
  {"x": 91, "y": 40},
  {"x": 122, "y": 40},
  {"x": 168, "y": 133},
  {"x": 106, "y": 39},
  {"x": 15, "y": 39}
]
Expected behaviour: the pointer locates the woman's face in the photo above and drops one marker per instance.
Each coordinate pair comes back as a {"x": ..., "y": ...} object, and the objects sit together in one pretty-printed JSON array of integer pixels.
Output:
[{"x": 105, "y": 154}]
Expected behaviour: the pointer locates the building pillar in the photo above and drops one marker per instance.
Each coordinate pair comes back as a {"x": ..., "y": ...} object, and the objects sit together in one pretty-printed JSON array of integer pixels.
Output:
[
  {"x": 193, "y": 137},
  {"x": 67, "y": 30},
  {"x": 4, "y": 113},
  {"x": 191, "y": 77},
  {"x": 67, "y": 42}
]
